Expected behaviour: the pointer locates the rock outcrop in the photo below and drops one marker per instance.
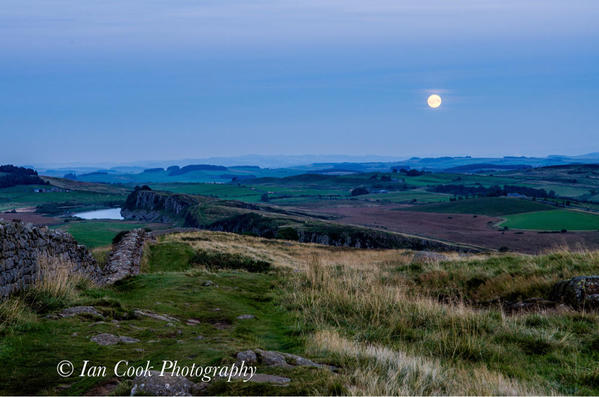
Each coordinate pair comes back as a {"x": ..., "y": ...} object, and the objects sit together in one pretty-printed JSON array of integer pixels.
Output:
[
  {"x": 579, "y": 292},
  {"x": 26, "y": 251},
  {"x": 153, "y": 384},
  {"x": 24, "y": 248},
  {"x": 151, "y": 206},
  {"x": 268, "y": 221}
]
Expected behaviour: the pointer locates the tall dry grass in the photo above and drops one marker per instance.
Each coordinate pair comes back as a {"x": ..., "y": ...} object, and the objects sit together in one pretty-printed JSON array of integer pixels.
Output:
[
  {"x": 399, "y": 326},
  {"x": 360, "y": 317}
]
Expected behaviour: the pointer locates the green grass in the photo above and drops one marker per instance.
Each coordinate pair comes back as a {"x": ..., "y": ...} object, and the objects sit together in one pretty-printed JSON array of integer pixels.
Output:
[
  {"x": 220, "y": 190},
  {"x": 97, "y": 233},
  {"x": 553, "y": 220},
  {"x": 30, "y": 350},
  {"x": 492, "y": 206},
  {"x": 24, "y": 196},
  {"x": 397, "y": 307}
]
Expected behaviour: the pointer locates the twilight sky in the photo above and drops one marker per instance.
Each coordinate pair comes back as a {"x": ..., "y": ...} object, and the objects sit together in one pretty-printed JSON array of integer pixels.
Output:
[{"x": 119, "y": 81}]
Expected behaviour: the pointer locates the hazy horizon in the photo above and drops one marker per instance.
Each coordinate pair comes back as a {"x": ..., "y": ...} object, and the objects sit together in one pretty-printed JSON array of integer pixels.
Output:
[{"x": 109, "y": 82}]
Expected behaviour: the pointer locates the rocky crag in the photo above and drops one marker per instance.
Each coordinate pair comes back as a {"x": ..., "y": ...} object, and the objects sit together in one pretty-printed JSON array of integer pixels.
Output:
[
  {"x": 268, "y": 221},
  {"x": 25, "y": 249}
]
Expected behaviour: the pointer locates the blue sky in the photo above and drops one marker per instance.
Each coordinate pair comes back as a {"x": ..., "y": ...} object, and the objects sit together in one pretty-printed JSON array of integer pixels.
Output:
[{"x": 119, "y": 81}]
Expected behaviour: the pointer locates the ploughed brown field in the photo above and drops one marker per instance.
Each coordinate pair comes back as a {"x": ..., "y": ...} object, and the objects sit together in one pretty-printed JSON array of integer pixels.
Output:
[
  {"x": 30, "y": 217},
  {"x": 460, "y": 228}
]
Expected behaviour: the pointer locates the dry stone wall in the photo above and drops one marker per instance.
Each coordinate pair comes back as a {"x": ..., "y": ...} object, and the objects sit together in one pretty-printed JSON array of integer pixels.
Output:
[
  {"x": 24, "y": 248},
  {"x": 125, "y": 257}
]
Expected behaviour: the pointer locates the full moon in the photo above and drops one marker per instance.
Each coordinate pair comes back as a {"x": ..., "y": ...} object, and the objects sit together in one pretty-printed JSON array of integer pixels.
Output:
[{"x": 434, "y": 101}]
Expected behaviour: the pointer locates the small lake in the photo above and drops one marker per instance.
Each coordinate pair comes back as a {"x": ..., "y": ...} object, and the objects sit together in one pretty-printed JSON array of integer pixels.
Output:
[{"x": 109, "y": 213}]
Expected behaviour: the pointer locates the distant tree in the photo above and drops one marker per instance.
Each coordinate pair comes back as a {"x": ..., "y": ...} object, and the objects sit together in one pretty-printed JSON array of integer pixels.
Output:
[
  {"x": 414, "y": 173},
  {"x": 13, "y": 176},
  {"x": 359, "y": 191},
  {"x": 264, "y": 197}
]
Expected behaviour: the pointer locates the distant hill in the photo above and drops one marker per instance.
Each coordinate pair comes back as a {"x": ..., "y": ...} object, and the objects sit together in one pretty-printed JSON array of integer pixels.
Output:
[
  {"x": 13, "y": 176},
  {"x": 487, "y": 167},
  {"x": 195, "y": 167}
]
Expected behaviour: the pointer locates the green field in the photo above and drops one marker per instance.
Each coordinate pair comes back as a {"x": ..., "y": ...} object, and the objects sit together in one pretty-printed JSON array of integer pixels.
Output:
[
  {"x": 491, "y": 206},
  {"x": 553, "y": 220},
  {"x": 24, "y": 196},
  {"x": 94, "y": 234}
]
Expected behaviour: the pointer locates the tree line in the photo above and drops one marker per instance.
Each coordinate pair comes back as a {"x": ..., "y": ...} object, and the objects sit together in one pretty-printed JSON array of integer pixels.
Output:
[{"x": 13, "y": 176}]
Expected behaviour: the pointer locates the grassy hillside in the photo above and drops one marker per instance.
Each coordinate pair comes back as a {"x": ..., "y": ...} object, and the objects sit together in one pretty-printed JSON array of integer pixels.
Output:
[
  {"x": 391, "y": 324},
  {"x": 492, "y": 206},
  {"x": 553, "y": 220},
  {"x": 58, "y": 202}
]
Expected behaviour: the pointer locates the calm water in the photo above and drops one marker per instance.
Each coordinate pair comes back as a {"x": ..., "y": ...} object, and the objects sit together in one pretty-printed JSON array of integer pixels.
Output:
[{"x": 110, "y": 213}]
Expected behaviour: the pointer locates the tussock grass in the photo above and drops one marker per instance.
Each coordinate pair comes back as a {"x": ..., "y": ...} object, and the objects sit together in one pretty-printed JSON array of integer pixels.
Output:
[
  {"x": 379, "y": 370},
  {"x": 399, "y": 326},
  {"x": 57, "y": 285},
  {"x": 14, "y": 313}
]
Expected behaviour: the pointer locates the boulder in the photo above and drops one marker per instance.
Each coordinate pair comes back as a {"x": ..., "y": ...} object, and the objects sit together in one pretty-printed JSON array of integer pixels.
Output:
[
  {"x": 248, "y": 356},
  {"x": 105, "y": 339},
  {"x": 127, "y": 339},
  {"x": 580, "y": 292},
  {"x": 166, "y": 385},
  {"x": 77, "y": 310},
  {"x": 272, "y": 358},
  {"x": 155, "y": 316}
]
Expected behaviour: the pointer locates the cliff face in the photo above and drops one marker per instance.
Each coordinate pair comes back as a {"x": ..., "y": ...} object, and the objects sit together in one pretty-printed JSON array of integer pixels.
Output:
[
  {"x": 24, "y": 249},
  {"x": 151, "y": 206},
  {"x": 269, "y": 222}
]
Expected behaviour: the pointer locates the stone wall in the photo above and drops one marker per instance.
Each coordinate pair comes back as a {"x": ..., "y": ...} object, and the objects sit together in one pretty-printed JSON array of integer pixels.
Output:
[
  {"x": 125, "y": 257},
  {"x": 24, "y": 248}
]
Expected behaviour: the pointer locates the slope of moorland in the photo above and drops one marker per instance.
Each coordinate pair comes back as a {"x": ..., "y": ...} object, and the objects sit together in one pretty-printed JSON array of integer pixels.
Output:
[{"x": 391, "y": 321}]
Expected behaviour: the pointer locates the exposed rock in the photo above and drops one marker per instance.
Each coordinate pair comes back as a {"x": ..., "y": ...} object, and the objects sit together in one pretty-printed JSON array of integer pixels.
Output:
[
  {"x": 105, "y": 339},
  {"x": 76, "y": 310},
  {"x": 265, "y": 378},
  {"x": 579, "y": 292},
  {"x": 166, "y": 385},
  {"x": 156, "y": 316},
  {"x": 246, "y": 317},
  {"x": 164, "y": 207},
  {"x": 207, "y": 283},
  {"x": 271, "y": 358},
  {"x": 193, "y": 321},
  {"x": 248, "y": 356},
  {"x": 277, "y": 359},
  {"x": 127, "y": 339},
  {"x": 533, "y": 304},
  {"x": 151, "y": 206},
  {"x": 301, "y": 361}
]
